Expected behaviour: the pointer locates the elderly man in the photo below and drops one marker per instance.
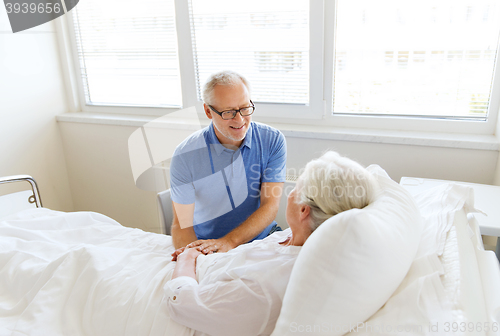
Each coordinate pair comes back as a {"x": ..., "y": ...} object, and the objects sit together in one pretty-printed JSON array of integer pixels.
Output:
[{"x": 226, "y": 179}]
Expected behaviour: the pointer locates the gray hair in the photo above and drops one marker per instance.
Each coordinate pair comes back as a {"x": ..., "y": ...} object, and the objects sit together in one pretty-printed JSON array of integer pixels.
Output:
[
  {"x": 225, "y": 77},
  {"x": 332, "y": 184}
]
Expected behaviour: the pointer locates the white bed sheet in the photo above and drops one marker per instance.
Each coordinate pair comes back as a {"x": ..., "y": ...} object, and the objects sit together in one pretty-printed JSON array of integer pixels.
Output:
[
  {"x": 85, "y": 274},
  {"x": 82, "y": 274}
]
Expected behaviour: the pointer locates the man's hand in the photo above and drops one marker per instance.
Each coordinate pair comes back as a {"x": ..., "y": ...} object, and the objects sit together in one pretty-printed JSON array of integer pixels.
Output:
[{"x": 212, "y": 245}]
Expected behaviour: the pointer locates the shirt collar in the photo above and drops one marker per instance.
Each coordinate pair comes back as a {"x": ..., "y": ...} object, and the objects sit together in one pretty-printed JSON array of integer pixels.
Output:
[
  {"x": 213, "y": 141},
  {"x": 218, "y": 147},
  {"x": 248, "y": 137}
]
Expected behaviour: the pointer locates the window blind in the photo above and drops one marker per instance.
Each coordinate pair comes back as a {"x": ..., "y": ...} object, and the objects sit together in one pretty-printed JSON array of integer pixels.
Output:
[
  {"x": 128, "y": 52},
  {"x": 423, "y": 58},
  {"x": 266, "y": 41}
]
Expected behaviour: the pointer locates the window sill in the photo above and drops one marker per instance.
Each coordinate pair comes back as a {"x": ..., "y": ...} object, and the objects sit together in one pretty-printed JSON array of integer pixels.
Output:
[{"x": 427, "y": 139}]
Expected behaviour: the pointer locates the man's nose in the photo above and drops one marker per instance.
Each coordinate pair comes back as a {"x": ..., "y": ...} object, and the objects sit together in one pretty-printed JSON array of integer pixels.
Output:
[{"x": 238, "y": 116}]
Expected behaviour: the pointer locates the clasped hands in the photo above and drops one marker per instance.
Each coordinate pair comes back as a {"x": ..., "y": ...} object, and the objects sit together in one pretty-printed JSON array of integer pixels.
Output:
[{"x": 206, "y": 246}]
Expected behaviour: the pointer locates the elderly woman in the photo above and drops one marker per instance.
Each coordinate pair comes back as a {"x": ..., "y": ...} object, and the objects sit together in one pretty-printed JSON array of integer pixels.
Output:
[{"x": 240, "y": 292}]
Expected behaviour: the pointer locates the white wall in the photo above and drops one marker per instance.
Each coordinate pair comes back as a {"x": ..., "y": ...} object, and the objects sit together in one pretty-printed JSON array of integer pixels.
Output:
[
  {"x": 468, "y": 165},
  {"x": 101, "y": 177},
  {"x": 489, "y": 241},
  {"x": 31, "y": 95},
  {"x": 497, "y": 175},
  {"x": 92, "y": 170}
]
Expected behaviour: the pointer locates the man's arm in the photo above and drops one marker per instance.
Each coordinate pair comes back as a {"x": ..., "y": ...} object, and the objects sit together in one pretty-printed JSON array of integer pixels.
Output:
[
  {"x": 269, "y": 202},
  {"x": 182, "y": 224}
]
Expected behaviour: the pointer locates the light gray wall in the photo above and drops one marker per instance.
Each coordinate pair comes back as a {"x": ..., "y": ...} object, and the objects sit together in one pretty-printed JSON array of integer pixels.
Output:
[
  {"x": 101, "y": 176},
  {"x": 497, "y": 174},
  {"x": 468, "y": 165},
  {"x": 31, "y": 95},
  {"x": 86, "y": 166}
]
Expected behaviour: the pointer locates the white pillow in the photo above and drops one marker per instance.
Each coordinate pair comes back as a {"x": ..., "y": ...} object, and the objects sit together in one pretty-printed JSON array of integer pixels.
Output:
[{"x": 351, "y": 265}]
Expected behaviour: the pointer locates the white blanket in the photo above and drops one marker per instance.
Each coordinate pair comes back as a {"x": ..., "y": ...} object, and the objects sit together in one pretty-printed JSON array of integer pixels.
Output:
[
  {"x": 85, "y": 274},
  {"x": 111, "y": 276}
]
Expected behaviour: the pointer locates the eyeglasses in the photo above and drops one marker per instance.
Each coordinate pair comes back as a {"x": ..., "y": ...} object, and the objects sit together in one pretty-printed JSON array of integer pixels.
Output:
[{"x": 230, "y": 114}]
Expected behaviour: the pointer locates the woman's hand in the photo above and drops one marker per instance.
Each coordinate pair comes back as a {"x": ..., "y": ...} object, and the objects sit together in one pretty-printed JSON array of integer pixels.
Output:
[
  {"x": 177, "y": 252},
  {"x": 209, "y": 246},
  {"x": 186, "y": 263},
  {"x": 188, "y": 254}
]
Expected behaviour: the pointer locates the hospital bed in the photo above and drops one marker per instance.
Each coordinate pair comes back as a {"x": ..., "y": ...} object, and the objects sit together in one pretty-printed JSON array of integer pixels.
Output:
[{"x": 454, "y": 291}]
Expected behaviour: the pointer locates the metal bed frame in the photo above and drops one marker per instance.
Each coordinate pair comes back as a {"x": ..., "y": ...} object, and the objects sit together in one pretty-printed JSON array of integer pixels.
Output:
[{"x": 35, "y": 198}]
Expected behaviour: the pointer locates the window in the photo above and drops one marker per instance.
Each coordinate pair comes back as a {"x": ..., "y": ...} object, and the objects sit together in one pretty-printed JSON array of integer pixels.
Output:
[
  {"x": 319, "y": 62},
  {"x": 127, "y": 52},
  {"x": 419, "y": 58},
  {"x": 267, "y": 41}
]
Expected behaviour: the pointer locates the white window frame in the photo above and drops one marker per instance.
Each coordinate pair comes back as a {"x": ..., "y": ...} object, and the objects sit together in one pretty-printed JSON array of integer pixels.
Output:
[
  {"x": 72, "y": 70},
  {"x": 317, "y": 113},
  {"x": 266, "y": 111},
  {"x": 404, "y": 123}
]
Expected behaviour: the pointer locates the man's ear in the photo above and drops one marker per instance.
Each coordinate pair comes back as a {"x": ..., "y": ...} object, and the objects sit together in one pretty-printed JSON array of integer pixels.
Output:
[{"x": 208, "y": 112}]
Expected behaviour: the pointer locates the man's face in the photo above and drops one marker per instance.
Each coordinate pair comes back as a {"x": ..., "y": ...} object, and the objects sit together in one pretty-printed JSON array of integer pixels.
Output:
[{"x": 230, "y": 97}]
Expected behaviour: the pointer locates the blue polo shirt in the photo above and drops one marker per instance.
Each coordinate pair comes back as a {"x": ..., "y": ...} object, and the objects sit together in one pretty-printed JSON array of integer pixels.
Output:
[{"x": 225, "y": 184}]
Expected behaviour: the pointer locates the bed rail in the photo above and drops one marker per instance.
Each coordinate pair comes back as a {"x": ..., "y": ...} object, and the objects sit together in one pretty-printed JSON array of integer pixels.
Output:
[{"x": 35, "y": 198}]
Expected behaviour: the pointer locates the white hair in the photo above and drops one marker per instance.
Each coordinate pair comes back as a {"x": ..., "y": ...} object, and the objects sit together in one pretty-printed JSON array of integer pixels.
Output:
[
  {"x": 225, "y": 77},
  {"x": 332, "y": 184}
]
